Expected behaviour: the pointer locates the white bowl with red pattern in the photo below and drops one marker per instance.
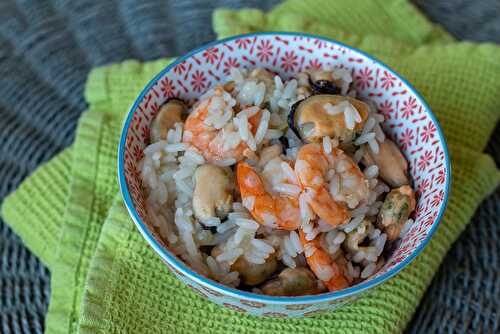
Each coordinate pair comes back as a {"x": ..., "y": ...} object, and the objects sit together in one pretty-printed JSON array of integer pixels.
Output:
[{"x": 409, "y": 122}]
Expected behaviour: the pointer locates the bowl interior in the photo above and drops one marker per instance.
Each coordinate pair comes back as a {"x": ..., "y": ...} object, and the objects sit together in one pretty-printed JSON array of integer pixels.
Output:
[{"x": 409, "y": 122}]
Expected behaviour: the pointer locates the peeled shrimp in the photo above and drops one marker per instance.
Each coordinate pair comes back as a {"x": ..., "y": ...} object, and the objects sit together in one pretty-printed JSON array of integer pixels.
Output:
[
  {"x": 217, "y": 137},
  {"x": 269, "y": 208},
  {"x": 332, "y": 180},
  {"x": 328, "y": 270}
]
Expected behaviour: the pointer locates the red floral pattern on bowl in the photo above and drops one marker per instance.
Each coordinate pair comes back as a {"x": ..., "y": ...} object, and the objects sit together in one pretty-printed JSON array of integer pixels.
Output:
[{"x": 408, "y": 121}]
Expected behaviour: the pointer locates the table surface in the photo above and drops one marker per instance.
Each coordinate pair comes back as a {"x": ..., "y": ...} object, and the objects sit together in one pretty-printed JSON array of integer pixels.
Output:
[{"x": 46, "y": 51}]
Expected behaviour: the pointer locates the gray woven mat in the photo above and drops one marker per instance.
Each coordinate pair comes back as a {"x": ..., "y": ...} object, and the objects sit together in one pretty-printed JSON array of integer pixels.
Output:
[{"x": 46, "y": 51}]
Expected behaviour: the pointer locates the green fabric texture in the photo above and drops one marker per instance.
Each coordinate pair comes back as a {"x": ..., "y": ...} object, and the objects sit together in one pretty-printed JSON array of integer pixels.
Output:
[{"x": 106, "y": 279}]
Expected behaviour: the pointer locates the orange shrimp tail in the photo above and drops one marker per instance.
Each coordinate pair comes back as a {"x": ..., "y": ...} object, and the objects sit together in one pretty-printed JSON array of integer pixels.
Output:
[
  {"x": 250, "y": 184},
  {"x": 311, "y": 166},
  {"x": 249, "y": 181},
  {"x": 320, "y": 259},
  {"x": 327, "y": 208},
  {"x": 337, "y": 283},
  {"x": 284, "y": 209}
]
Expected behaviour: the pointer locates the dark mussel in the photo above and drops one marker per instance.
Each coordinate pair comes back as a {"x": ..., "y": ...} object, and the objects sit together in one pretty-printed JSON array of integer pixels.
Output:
[{"x": 322, "y": 83}]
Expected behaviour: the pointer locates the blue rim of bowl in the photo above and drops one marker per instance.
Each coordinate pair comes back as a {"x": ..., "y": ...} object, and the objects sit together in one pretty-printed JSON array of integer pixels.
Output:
[{"x": 239, "y": 294}]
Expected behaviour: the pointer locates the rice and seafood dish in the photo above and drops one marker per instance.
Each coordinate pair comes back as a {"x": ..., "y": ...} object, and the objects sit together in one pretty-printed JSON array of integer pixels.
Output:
[{"x": 278, "y": 187}]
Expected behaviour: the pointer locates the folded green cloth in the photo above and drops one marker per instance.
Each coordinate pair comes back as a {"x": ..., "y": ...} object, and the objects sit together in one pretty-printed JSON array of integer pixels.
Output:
[{"x": 105, "y": 278}]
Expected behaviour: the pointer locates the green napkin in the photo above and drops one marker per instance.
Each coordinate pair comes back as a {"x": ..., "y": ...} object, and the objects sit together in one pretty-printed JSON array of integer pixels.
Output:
[{"x": 105, "y": 278}]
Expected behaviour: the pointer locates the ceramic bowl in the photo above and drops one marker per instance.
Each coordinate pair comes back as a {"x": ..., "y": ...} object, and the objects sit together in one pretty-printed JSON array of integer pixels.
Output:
[{"x": 409, "y": 122}]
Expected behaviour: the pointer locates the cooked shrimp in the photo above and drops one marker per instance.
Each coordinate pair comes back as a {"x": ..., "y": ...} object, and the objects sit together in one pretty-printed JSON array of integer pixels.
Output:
[
  {"x": 268, "y": 207},
  {"x": 209, "y": 128},
  {"x": 334, "y": 182},
  {"x": 329, "y": 271}
]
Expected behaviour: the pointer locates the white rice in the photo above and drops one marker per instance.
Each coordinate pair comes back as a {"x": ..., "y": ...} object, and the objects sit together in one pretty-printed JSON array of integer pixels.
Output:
[
  {"x": 247, "y": 223},
  {"x": 260, "y": 92},
  {"x": 309, "y": 250},
  {"x": 374, "y": 234},
  {"x": 349, "y": 118},
  {"x": 339, "y": 238},
  {"x": 248, "y": 112},
  {"x": 251, "y": 93},
  {"x": 237, "y": 207},
  {"x": 225, "y": 227},
  {"x": 230, "y": 256},
  {"x": 169, "y": 148},
  {"x": 357, "y": 116},
  {"x": 345, "y": 76},
  {"x": 235, "y": 75},
  {"x": 288, "y": 261},
  {"x": 289, "y": 173},
  {"x": 335, "y": 185},
  {"x": 243, "y": 126},
  {"x": 324, "y": 227},
  {"x": 365, "y": 138},
  {"x": 379, "y": 134},
  {"x": 287, "y": 189},
  {"x": 235, "y": 215},
  {"x": 248, "y": 202},
  {"x": 178, "y": 132},
  {"x": 269, "y": 219},
  {"x": 269, "y": 153},
  {"x": 324, "y": 273},
  {"x": 291, "y": 153},
  {"x": 368, "y": 270},
  {"x": 358, "y": 155},
  {"x": 225, "y": 162},
  {"x": 358, "y": 256},
  {"x": 371, "y": 171},
  {"x": 195, "y": 157},
  {"x": 380, "y": 243},
  {"x": 369, "y": 125},
  {"x": 252, "y": 144},
  {"x": 273, "y": 134},
  {"x": 312, "y": 234},
  {"x": 294, "y": 238},
  {"x": 290, "y": 88},
  {"x": 262, "y": 245},
  {"x": 305, "y": 213},
  {"x": 333, "y": 109},
  {"x": 288, "y": 247},
  {"x": 406, "y": 227},
  {"x": 155, "y": 147},
  {"x": 171, "y": 136},
  {"x": 373, "y": 145},
  {"x": 293, "y": 140},
  {"x": 353, "y": 224},
  {"x": 263, "y": 126},
  {"x": 327, "y": 145},
  {"x": 212, "y": 221},
  {"x": 360, "y": 211}
]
